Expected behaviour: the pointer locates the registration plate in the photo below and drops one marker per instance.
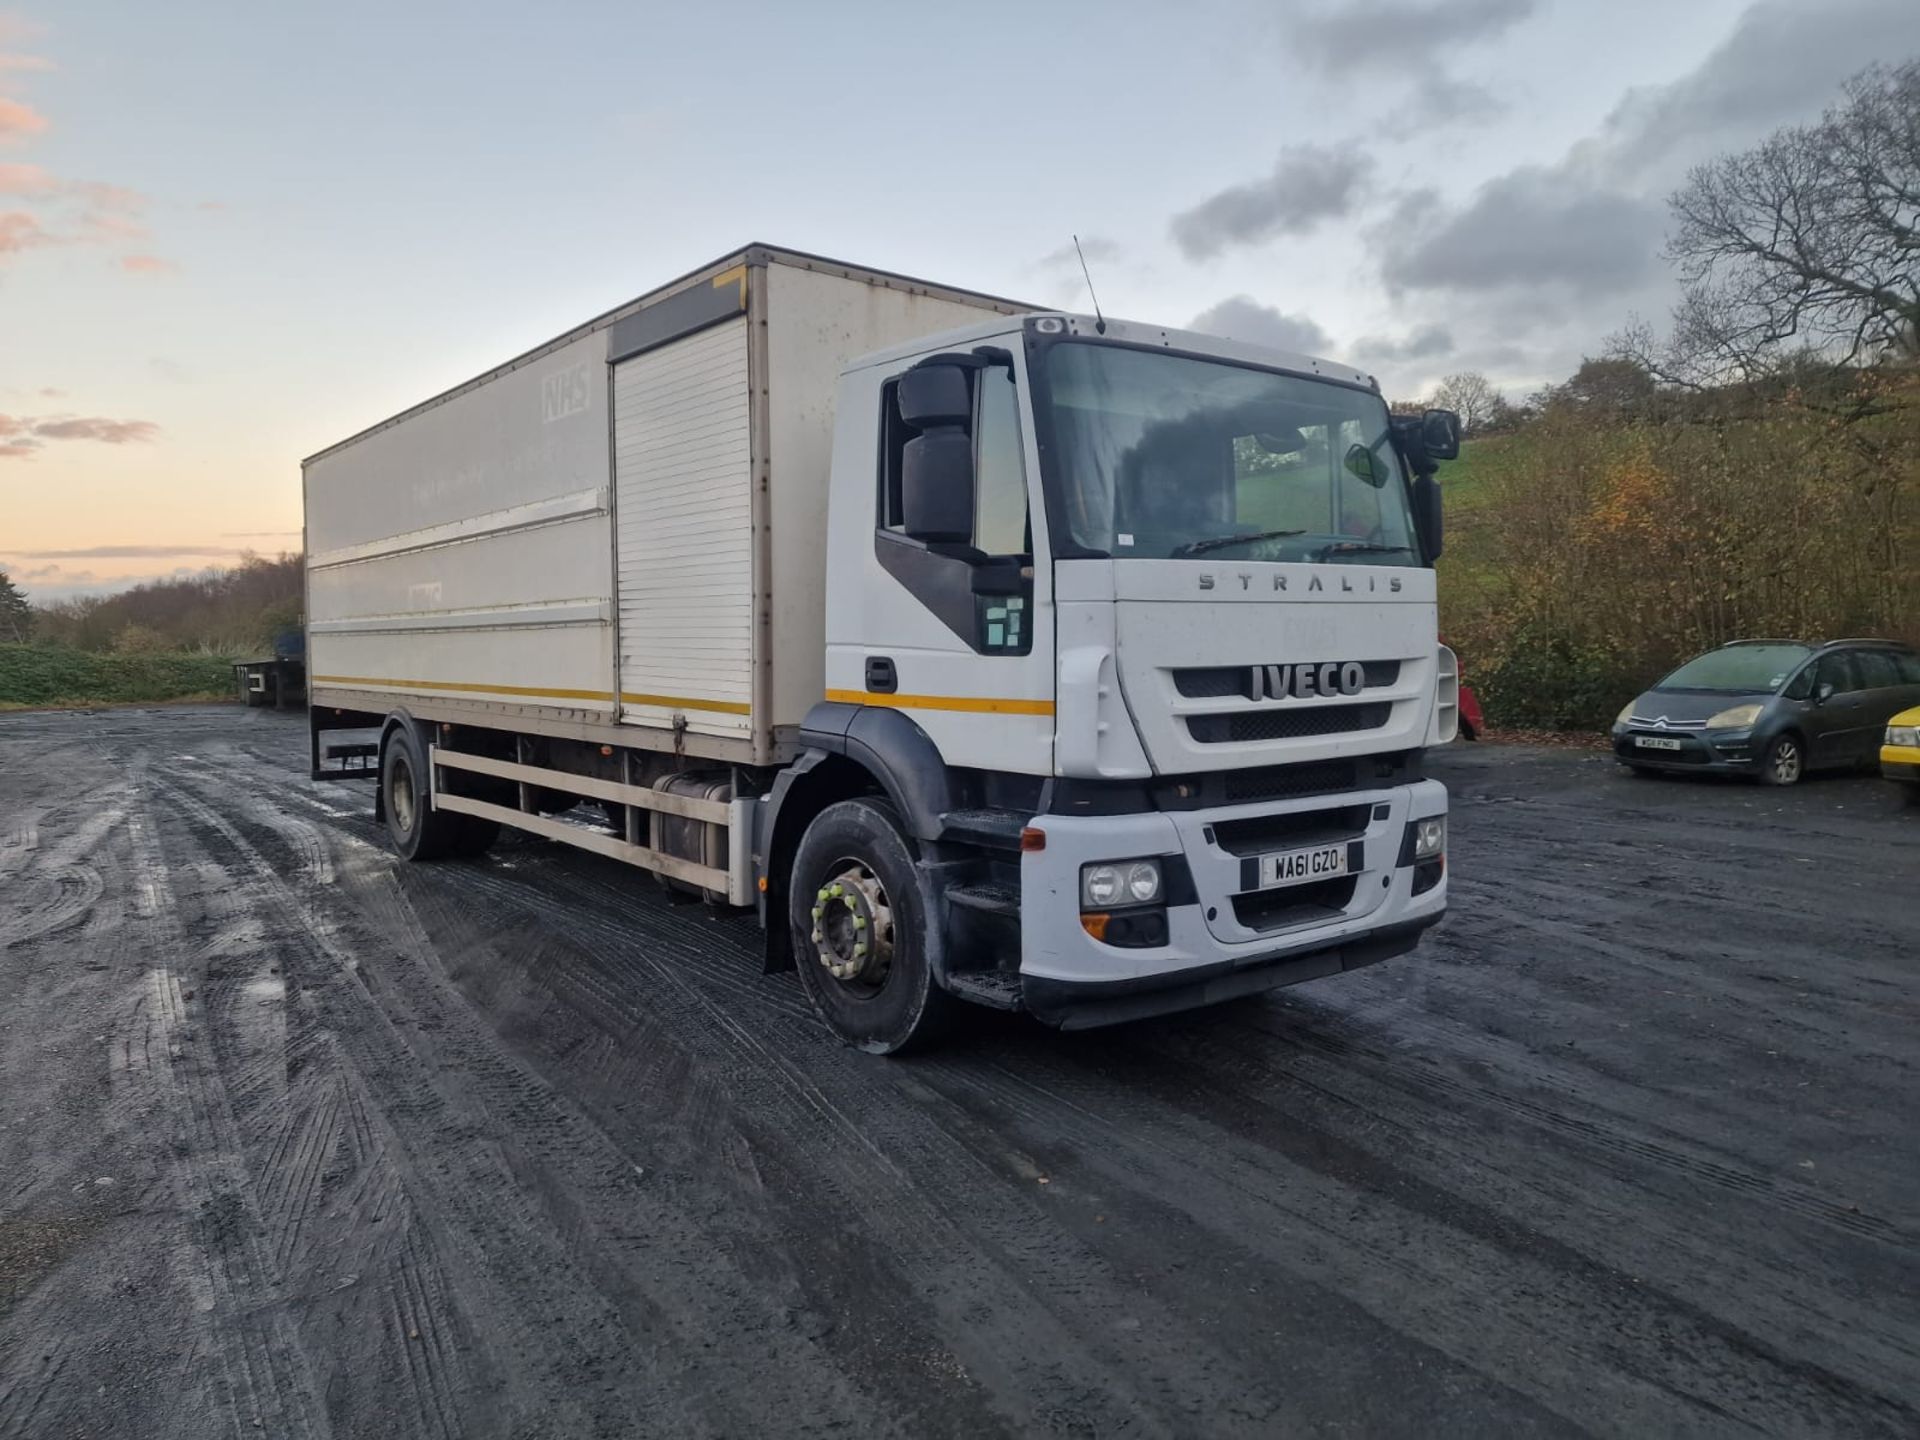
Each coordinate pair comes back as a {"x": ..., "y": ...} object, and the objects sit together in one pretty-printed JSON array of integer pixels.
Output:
[
  {"x": 1655, "y": 742},
  {"x": 1299, "y": 867}
]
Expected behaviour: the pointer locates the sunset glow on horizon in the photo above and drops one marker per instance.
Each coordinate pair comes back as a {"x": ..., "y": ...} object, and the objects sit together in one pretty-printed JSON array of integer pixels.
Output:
[{"x": 230, "y": 239}]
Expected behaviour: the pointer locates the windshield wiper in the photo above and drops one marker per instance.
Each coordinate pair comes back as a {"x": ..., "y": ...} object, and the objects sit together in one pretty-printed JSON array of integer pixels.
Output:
[
  {"x": 1220, "y": 542},
  {"x": 1360, "y": 547}
]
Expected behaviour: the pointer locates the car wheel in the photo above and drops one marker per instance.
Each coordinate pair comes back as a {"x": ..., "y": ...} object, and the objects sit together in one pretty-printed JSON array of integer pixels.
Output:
[
  {"x": 860, "y": 911},
  {"x": 1784, "y": 763}
]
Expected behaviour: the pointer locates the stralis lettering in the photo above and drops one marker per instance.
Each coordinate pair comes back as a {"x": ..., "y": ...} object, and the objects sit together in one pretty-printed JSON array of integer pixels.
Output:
[
  {"x": 1334, "y": 677},
  {"x": 1349, "y": 583}
]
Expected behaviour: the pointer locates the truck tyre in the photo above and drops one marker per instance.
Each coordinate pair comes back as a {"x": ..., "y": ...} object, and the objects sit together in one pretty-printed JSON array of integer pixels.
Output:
[
  {"x": 419, "y": 833},
  {"x": 859, "y": 908}
]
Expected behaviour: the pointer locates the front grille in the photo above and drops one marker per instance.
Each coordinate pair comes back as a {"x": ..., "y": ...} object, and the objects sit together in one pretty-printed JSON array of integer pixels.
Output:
[
  {"x": 1317, "y": 903},
  {"x": 1289, "y": 782},
  {"x": 1659, "y": 724},
  {"x": 1292, "y": 723},
  {"x": 1263, "y": 833},
  {"x": 1218, "y": 682}
]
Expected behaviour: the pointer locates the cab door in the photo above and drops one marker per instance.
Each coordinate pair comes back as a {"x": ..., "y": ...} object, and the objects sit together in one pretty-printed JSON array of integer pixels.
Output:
[{"x": 958, "y": 635}]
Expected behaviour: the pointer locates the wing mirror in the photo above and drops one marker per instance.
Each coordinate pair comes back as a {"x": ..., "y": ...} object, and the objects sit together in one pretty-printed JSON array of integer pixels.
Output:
[
  {"x": 1440, "y": 433},
  {"x": 1823, "y": 692},
  {"x": 936, "y": 466}
]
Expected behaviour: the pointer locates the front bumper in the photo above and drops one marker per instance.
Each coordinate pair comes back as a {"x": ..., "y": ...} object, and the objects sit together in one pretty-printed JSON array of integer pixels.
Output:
[
  {"x": 1725, "y": 751},
  {"x": 1233, "y": 939},
  {"x": 1900, "y": 762}
]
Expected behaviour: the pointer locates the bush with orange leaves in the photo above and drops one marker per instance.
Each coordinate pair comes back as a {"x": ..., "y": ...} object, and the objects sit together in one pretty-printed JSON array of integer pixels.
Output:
[{"x": 1610, "y": 543}]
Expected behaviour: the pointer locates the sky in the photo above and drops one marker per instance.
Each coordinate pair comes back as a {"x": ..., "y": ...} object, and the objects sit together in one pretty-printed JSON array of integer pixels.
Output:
[{"x": 231, "y": 234}]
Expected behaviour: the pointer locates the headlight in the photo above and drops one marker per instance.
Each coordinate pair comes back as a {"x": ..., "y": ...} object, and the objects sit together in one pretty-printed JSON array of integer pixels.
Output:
[
  {"x": 1903, "y": 735},
  {"x": 1429, "y": 837},
  {"x": 1626, "y": 714},
  {"x": 1738, "y": 718},
  {"x": 1119, "y": 882}
]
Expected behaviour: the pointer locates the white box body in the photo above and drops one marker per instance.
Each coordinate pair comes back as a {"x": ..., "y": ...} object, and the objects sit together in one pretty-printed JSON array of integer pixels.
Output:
[{"x": 620, "y": 534}]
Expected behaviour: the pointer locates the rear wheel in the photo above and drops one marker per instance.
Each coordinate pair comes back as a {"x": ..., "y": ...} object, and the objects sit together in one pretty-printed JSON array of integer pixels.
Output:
[
  {"x": 859, "y": 909},
  {"x": 420, "y": 832},
  {"x": 1784, "y": 763}
]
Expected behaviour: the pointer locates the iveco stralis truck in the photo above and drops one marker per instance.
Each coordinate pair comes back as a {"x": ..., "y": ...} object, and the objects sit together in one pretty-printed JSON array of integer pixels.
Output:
[{"x": 995, "y": 654}]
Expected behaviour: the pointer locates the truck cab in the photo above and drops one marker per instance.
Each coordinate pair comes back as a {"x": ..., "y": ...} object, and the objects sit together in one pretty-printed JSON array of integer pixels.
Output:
[{"x": 1130, "y": 665}]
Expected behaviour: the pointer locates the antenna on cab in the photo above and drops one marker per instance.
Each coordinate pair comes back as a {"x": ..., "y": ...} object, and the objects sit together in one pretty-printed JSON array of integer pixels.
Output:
[{"x": 1099, "y": 320}]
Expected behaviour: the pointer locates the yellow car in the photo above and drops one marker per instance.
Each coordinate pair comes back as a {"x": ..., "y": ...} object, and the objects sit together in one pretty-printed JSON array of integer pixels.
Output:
[{"x": 1900, "y": 754}]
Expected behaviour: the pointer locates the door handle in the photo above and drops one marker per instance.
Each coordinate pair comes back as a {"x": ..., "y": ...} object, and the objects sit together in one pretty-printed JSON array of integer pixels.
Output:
[{"x": 881, "y": 677}]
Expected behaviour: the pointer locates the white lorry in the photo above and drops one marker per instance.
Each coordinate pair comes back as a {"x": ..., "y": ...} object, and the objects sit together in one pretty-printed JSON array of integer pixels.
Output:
[{"x": 996, "y": 654}]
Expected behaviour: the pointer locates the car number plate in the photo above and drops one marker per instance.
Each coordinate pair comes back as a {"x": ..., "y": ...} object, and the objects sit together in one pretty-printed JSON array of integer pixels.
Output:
[
  {"x": 1655, "y": 742},
  {"x": 1300, "y": 867}
]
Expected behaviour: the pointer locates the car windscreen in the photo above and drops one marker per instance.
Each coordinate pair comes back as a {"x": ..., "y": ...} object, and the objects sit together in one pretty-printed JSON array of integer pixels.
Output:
[{"x": 1738, "y": 669}]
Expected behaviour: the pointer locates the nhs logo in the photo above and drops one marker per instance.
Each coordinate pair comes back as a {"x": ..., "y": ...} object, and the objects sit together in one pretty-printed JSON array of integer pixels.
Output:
[{"x": 566, "y": 392}]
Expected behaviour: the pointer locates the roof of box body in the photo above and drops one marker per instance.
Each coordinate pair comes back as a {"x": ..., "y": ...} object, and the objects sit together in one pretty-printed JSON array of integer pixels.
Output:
[{"x": 749, "y": 255}]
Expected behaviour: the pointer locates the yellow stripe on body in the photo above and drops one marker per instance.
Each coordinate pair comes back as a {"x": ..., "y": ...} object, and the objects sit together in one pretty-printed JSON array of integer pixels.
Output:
[
  {"x": 684, "y": 702},
  {"x": 972, "y": 704}
]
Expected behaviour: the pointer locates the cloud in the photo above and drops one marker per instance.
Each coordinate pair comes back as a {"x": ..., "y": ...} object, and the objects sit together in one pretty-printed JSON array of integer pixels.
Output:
[
  {"x": 1782, "y": 62},
  {"x": 1579, "y": 240},
  {"x": 137, "y": 552},
  {"x": 1097, "y": 248},
  {"x": 1425, "y": 342},
  {"x": 1393, "y": 34},
  {"x": 21, "y": 437},
  {"x": 12, "y": 29},
  {"x": 1309, "y": 184},
  {"x": 1402, "y": 39},
  {"x": 1531, "y": 228},
  {"x": 92, "y": 427},
  {"x": 18, "y": 120},
  {"x": 1441, "y": 100},
  {"x": 55, "y": 582},
  {"x": 147, "y": 265},
  {"x": 29, "y": 181},
  {"x": 1241, "y": 317},
  {"x": 21, "y": 231}
]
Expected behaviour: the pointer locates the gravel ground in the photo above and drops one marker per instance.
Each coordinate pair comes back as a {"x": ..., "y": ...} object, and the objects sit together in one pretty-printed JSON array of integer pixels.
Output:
[{"x": 298, "y": 1140}]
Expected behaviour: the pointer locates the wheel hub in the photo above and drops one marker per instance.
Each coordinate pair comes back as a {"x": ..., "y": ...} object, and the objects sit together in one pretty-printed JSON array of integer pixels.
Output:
[
  {"x": 401, "y": 797},
  {"x": 853, "y": 926}
]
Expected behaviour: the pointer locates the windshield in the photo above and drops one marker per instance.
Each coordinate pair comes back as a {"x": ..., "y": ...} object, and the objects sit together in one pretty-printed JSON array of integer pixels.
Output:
[
  {"x": 1740, "y": 669},
  {"x": 1159, "y": 456}
]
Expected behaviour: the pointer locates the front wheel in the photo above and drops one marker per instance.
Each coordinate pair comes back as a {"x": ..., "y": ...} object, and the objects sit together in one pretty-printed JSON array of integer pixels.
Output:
[
  {"x": 1784, "y": 764},
  {"x": 860, "y": 913}
]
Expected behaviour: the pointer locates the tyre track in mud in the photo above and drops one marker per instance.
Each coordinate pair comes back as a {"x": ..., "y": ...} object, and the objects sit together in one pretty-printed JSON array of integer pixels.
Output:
[{"x": 523, "y": 1148}]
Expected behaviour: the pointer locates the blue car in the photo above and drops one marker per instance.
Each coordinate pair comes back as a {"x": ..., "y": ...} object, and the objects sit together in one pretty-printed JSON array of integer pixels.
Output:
[{"x": 1773, "y": 709}]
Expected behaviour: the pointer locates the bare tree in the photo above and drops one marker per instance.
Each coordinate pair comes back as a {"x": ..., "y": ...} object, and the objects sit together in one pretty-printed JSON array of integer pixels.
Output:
[
  {"x": 1812, "y": 239},
  {"x": 1471, "y": 396}
]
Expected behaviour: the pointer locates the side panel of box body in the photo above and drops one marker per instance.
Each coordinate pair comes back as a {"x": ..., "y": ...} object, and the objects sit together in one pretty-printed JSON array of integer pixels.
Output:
[
  {"x": 820, "y": 317},
  {"x": 466, "y": 550},
  {"x": 683, "y": 475}
]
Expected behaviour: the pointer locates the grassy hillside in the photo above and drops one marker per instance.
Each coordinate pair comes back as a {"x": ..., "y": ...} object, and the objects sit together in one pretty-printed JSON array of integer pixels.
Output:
[{"x": 43, "y": 675}]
